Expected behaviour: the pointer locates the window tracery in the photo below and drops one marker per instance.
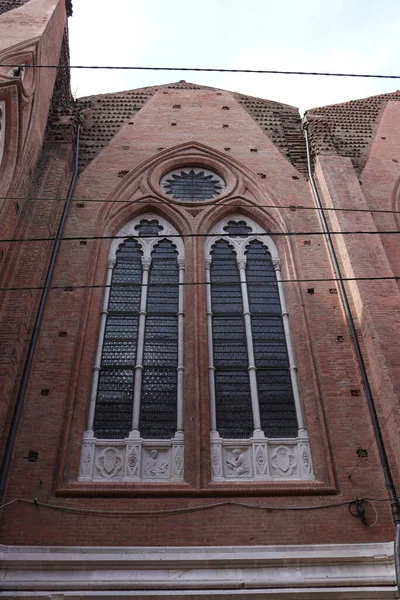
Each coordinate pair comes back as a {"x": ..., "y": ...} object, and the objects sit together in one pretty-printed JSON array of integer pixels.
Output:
[
  {"x": 135, "y": 422},
  {"x": 257, "y": 424}
]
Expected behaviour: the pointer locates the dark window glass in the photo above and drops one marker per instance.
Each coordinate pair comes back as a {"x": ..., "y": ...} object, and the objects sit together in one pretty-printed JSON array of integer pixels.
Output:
[
  {"x": 237, "y": 229},
  {"x": 277, "y": 409},
  {"x": 232, "y": 387},
  {"x": 159, "y": 384},
  {"x": 116, "y": 379},
  {"x": 191, "y": 186},
  {"x": 149, "y": 228}
]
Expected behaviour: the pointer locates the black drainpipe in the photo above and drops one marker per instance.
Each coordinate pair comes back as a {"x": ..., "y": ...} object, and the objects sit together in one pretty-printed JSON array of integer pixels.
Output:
[
  {"x": 32, "y": 345},
  {"x": 394, "y": 502}
]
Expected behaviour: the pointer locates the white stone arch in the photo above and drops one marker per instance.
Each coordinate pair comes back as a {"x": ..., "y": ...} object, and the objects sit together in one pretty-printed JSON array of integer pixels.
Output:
[
  {"x": 146, "y": 243},
  {"x": 135, "y": 458},
  {"x": 256, "y": 458}
]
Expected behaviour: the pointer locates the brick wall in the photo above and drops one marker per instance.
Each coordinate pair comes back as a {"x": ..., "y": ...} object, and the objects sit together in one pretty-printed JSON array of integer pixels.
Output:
[{"x": 144, "y": 144}]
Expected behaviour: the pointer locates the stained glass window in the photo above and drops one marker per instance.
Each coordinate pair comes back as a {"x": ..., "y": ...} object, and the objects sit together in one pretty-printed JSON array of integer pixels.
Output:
[
  {"x": 113, "y": 417},
  {"x": 192, "y": 184},
  {"x": 140, "y": 340},
  {"x": 249, "y": 347}
]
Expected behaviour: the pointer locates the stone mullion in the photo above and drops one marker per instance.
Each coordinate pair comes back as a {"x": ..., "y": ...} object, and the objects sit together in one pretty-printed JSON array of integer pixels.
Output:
[
  {"x": 180, "y": 368},
  {"x": 292, "y": 364},
  {"x": 250, "y": 349},
  {"x": 96, "y": 369},
  {"x": 211, "y": 367},
  {"x": 140, "y": 349}
]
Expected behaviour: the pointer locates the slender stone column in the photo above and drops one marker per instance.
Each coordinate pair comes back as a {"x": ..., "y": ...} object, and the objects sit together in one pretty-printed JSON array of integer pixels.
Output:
[
  {"x": 140, "y": 349},
  {"x": 292, "y": 364},
  {"x": 96, "y": 369},
  {"x": 211, "y": 368},
  {"x": 250, "y": 349},
  {"x": 180, "y": 368}
]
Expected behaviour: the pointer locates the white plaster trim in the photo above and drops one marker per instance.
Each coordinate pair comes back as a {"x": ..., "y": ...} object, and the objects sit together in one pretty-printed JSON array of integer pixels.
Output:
[{"x": 318, "y": 572}]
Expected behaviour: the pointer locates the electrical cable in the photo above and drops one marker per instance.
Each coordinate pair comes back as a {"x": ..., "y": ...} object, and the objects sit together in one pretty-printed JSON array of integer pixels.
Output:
[
  {"x": 169, "y": 512},
  {"x": 194, "y": 235},
  {"x": 67, "y": 287},
  {"x": 149, "y": 201},
  {"x": 204, "y": 70}
]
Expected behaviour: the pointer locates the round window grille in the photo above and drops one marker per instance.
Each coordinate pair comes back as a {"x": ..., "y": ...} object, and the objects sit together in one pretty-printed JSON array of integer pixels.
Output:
[{"x": 192, "y": 184}]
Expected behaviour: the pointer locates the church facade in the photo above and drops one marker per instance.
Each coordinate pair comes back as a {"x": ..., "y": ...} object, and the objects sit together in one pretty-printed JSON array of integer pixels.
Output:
[{"x": 199, "y": 326}]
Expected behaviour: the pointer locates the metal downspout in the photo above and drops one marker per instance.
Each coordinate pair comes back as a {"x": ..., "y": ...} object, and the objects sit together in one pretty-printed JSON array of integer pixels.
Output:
[
  {"x": 35, "y": 334},
  {"x": 394, "y": 502}
]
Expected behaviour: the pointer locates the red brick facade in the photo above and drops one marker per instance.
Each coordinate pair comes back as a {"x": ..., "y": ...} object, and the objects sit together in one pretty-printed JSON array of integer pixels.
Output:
[{"x": 128, "y": 141}]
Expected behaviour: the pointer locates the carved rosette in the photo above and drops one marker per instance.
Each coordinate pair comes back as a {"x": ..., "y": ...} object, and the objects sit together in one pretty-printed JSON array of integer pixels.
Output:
[
  {"x": 132, "y": 460},
  {"x": 261, "y": 460}
]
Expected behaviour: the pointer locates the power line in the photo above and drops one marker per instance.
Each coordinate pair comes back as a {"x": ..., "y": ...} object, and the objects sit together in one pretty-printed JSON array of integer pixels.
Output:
[
  {"x": 155, "y": 201},
  {"x": 145, "y": 514},
  {"x": 196, "y": 235},
  {"x": 68, "y": 287},
  {"x": 205, "y": 70}
]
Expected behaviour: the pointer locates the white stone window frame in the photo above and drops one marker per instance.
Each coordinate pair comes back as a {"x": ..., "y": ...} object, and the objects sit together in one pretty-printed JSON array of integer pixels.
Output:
[
  {"x": 258, "y": 458},
  {"x": 134, "y": 458}
]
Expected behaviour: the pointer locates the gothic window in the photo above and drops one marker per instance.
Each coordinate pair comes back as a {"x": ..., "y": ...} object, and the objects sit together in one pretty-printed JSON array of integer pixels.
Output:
[
  {"x": 135, "y": 423},
  {"x": 257, "y": 427},
  {"x": 192, "y": 184}
]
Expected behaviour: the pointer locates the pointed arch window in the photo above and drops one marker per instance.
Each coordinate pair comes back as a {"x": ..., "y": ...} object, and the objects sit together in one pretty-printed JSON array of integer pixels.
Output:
[
  {"x": 257, "y": 424},
  {"x": 135, "y": 422}
]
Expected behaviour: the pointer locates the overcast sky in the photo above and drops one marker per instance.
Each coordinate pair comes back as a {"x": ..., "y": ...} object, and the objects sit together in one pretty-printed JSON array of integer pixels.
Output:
[{"x": 316, "y": 35}]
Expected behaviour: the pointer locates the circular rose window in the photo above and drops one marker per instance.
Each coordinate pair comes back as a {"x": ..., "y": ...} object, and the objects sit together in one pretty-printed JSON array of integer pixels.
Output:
[{"x": 192, "y": 184}]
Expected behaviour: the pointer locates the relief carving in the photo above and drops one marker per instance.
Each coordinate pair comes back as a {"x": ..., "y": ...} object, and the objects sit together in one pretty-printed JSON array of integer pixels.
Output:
[
  {"x": 155, "y": 467},
  {"x": 178, "y": 462},
  {"x": 283, "y": 462},
  {"x": 109, "y": 463},
  {"x": 216, "y": 465},
  {"x": 86, "y": 460},
  {"x": 261, "y": 459},
  {"x": 237, "y": 465},
  {"x": 132, "y": 460},
  {"x": 305, "y": 459}
]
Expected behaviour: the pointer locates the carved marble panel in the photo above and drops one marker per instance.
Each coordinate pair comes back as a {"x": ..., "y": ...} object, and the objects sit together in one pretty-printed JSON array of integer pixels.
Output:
[
  {"x": 132, "y": 460},
  {"x": 260, "y": 459}
]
